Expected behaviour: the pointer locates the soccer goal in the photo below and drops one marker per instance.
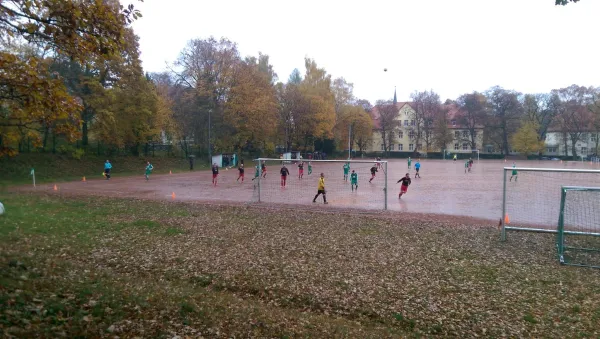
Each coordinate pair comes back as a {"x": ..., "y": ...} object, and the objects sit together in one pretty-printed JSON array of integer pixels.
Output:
[
  {"x": 578, "y": 232},
  {"x": 300, "y": 186},
  {"x": 531, "y": 196}
]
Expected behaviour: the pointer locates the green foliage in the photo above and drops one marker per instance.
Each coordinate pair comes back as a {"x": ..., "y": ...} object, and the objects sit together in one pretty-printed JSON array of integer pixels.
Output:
[
  {"x": 564, "y": 2},
  {"x": 34, "y": 100},
  {"x": 526, "y": 140}
]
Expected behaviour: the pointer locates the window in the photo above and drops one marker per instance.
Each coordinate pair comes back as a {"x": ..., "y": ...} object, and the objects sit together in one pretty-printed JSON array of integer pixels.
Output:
[
  {"x": 412, "y": 122},
  {"x": 453, "y": 122},
  {"x": 400, "y": 134},
  {"x": 400, "y": 147},
  {"x": 465, "y": 134},
  {"x": 551, "y": 149},
  {"x": 456, "y": 147},
  {"x": 411, "y": 134},
  {"x": 456, "y": 134},
  {"x": 584, "y": 150},
  {"x": 382, "y": 147},
  {"x": 593, "y": 137},
  {"x": 410, "y": 147},
  {"x": 583, "y": 136},
  {"x": 419, "y": 146},
  {"x": 465, "y": 147},
  {"x": 391, "y": 147},
  {"x": 474, "y": 134},
  {"x": 490, "y": 149},
  {"x": 405, "y": 122}
]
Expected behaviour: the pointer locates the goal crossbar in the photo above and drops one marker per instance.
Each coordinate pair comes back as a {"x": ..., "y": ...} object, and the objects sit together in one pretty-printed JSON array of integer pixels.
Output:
[{"x": 312, "y": 160}]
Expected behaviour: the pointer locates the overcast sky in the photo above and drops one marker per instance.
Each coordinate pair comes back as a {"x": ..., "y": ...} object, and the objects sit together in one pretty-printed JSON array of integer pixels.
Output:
[{"x": 450, "y": 46}]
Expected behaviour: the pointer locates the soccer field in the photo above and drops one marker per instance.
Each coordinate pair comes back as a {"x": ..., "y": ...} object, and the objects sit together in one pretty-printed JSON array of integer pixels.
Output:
[{"x": 443, "y": 189}]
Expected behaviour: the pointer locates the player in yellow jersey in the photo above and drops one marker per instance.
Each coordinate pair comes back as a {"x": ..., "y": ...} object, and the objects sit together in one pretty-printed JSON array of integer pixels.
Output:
[{"x": 321, "y": 189}]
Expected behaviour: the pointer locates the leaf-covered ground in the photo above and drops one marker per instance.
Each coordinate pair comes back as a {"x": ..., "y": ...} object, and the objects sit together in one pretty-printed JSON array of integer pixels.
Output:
[{"x": 97, "y": 267}]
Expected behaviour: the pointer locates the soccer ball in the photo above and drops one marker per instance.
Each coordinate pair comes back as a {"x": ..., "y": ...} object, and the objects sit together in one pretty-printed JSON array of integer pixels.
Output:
[
  {"x": 1, "y": 209},
  {"x": 385, "y": 69}
]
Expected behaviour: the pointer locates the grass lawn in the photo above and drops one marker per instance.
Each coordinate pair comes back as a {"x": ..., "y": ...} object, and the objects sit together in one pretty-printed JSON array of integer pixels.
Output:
[
  {"x": 92, "y": 267},
  {"x": 57, "y": 168}
]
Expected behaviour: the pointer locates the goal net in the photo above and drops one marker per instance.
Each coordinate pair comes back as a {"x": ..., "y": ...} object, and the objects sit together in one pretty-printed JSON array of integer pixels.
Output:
[
  {"x": 578, "y": 232},
  {"x": 531, "y": 196},
  {"x": 302, "y": 183}
]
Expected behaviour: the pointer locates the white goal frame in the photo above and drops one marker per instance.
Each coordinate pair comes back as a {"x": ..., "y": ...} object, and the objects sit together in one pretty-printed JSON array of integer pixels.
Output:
[{"x": 505, "y": 173}]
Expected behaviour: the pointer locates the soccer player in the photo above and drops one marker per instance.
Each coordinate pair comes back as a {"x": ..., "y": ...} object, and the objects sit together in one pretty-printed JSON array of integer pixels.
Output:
[
  {"x": 514, "y": 173},
  {"x": 149, "y": 169},
  {"x": 300, "y": 170},
  {"x": 467, "y": 166},
  {"x": 107, "y": 168},
  {"x": 417, "y": 168},
  {"x": 264, "y": 170},
  {"x": 284, "y": 173},
  {"x": 373, "y": 171},
  {"x": 321, "y": 189},
  {"x": 378, "y": 159},
  {"x": 309, "y": 168},
  {"x": 241, "y": 169},
  {"x": 346, "y": 171},
  {"x": 354, "y": 180},
  {"x": 215, "y": 172},
  {"x": 404, "y": 188},
  {"x": 470, "y": 164},
  {"x": 409, "y": 162},
  {"x": 454, "y": 158}
]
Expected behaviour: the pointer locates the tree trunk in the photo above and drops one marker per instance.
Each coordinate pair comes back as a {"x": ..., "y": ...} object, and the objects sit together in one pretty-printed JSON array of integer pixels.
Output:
[
  {"x": 84, "y": 133},
  {"x": 505, "y": 139},
  {"x": 573, "y": 148},
  {"x": 45, "y": 142}
]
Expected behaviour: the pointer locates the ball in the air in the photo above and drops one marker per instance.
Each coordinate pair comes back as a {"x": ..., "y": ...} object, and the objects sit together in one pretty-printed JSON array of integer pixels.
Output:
[
  {"x": 1, "y": 209},
  {"x": 385, "y": 69}
]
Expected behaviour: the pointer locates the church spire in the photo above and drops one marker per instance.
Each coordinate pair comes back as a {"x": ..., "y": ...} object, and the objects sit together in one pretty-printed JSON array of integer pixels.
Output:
[{"x": 395, "y": 99}]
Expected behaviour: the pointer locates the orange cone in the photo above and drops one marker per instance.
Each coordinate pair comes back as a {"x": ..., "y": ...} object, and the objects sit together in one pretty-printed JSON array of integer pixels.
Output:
[
  {"x": 55, "y": 188},
  {"x": 506, "y": 219},
  {"x": 173, "y": 196},
  {"x": 83, "y": 179}
]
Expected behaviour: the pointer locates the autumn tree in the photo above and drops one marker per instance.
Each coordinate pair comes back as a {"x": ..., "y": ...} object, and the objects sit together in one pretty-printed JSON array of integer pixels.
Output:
[
  {"x": 540, "y": 111},
  {"x": 442, "y": 135},
  {"x": 33, "y": 98},
  {"x": 207, "y": 68},
  {"x": 317, "y": 120},
  {"x": 472, "y": 115},
  {"x": 427, "y": 105},
  {"x": 356, "y": 126},
  {"x": 505, "y": 116},
  {"x": 526, "y": 140},
  {"x": 575, "y": 117},
  {"x": 387, "y": 116},
  {"x": 251, "y": 109}
]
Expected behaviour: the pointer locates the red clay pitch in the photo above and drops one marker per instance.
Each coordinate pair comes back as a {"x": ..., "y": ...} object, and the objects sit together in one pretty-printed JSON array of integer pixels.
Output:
[{"x": 443, "y": 189}]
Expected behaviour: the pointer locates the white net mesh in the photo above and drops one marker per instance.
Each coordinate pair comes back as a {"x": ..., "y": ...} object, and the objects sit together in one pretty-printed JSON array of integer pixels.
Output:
[
  {"x": 579, "y": 236},
  {"x": 339, "y": 191},
  {"x": 532, "y": 197}
]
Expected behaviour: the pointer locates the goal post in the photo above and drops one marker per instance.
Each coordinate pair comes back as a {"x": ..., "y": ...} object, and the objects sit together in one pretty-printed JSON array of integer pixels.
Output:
[
  {"x": 531, "y": 196},
  {"x": 301, "y": 184},
  {"x": 578, "y": 231}
]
